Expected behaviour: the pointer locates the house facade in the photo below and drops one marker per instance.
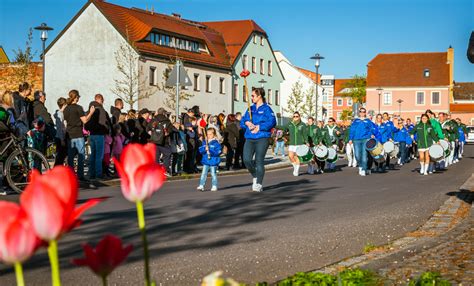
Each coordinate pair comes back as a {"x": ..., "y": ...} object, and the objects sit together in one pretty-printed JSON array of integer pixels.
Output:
[
  {"x": 327, "y": 83},
  {"x": 340, "y": 103},
  {"x": 248, "y": 47},
  {"x": 83, "y": 57},
  {"x": 462, "y": 106},
  {"x": 293, "y": 75},
  {"x": 407, "y": 84}
]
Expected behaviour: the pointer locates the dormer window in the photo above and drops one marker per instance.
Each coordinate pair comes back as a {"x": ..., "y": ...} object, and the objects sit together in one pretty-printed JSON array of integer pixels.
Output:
[
  {"x": 426, "y": 72},
  {"x": 174, "y": 42}
]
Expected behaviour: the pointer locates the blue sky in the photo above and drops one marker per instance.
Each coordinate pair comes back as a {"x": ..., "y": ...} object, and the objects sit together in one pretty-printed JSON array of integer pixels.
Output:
[{"x": 347, "y": 33}]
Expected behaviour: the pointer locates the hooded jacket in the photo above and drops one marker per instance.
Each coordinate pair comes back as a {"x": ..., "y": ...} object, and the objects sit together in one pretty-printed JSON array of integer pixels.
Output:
[
  {"x": 362, "y": 129},
  {"x": 214, "y": 151},
  {"x": 262, "y": 116},
  {"x": 425, "y": 135},
  {"x": 298, "y": 133}
]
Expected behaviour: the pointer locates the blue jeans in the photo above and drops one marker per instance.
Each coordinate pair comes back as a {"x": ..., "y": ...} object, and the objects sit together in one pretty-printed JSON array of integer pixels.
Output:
[
  {"x": 403, "y": 151},
  {"x": 205, "y": 171},
  {"x": 280, "y": 145},
  {"x": 77, "y": 146},
  {"x": 360, "y": 152},
  {"x": 97, "y": 156},
  {"x": 257, "y": 147}
]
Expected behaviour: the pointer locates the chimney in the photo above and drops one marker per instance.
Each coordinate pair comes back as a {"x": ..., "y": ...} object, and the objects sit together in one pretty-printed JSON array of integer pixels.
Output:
[
  {"x": 176, "y": 15},
  {"x": 450, "y": 62}
]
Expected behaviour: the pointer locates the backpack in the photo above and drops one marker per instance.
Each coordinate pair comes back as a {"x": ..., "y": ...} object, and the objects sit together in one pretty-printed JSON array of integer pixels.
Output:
[{"x": 159, "y": 132}]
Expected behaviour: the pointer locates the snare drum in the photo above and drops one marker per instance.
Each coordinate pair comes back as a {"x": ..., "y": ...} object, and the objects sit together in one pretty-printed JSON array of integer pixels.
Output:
[
  {"x": 374, "y": 147},
  {"x": 321, "y": 152},
  {"x": 388, "y": 147},
  {"x": 436, "y": 152},
  {"x": 332, "y": 155},
  {"x": 304, "y": 153},
  {"x": 446, "y": 147}
]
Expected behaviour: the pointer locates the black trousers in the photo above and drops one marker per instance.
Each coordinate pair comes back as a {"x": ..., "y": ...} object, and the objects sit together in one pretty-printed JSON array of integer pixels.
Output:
[
  {"x": 61, "y": 152},
  {"x": 164, "y": 152}
]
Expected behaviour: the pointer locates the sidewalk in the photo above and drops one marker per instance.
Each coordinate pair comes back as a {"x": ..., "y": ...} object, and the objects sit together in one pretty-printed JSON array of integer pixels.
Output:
[{"x": 443, "y": 244}]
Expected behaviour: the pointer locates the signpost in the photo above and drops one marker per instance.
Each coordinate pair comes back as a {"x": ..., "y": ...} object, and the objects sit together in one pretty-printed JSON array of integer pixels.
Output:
[{"x": 178, "y": 77}]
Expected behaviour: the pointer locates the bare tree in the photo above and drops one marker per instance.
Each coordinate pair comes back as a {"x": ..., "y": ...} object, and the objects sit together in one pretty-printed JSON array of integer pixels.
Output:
[
  {"x": 170, "y": 100},
  {"x": 23, "y": 59},
  {"x": 131, "y": 86},
  {"x": 309, "y": 107}
]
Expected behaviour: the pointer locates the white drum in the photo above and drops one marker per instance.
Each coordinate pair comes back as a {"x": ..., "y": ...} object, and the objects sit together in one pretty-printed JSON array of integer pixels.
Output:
[
  {"x": 444, "y": 144},
  {"x": 436, "y": 152},
  {"x": 388, "y": 147},
  {"x": 332, "y": 155},
  {"x": 302, "y": 150},
  {"x": 395, "y": 151},
  {"x": 321, "y": 152}
]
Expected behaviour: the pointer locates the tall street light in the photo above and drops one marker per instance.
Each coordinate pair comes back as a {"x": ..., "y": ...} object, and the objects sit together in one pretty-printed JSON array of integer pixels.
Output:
[
  {"x": 43, "y": 28},
  {"x": 380, "y": 94},
  {"x": 317, "y": 58},
  {"x": 262, "y": 82},
  {"x": 400, "y": 101}
]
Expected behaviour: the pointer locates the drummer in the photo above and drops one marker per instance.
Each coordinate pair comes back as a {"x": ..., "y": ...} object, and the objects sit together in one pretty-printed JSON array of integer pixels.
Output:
[
  {"x": 385, "y": 134},
  {"x": 402, "y": 137},
  {"x": 426, "y": 136},
  {"x": 450, "y": 131},
  {"x": 321, "y": 137},
  {"x": 297, "y": 139},
  {"x": 439, "y": 132},
  {"x": 334, "y": 133},
  {"x": 361, "y": 131},
  {"x": 350, "y": 154},
  {"x": 311, "y": 132}
]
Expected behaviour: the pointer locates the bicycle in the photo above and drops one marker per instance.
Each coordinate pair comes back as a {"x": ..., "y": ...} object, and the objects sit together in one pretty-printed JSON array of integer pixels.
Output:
[{"x": 20, "y": 162}]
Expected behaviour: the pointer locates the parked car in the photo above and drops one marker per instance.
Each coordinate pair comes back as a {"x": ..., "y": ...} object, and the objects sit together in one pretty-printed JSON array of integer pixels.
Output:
[{"x": 470, "y": 135}]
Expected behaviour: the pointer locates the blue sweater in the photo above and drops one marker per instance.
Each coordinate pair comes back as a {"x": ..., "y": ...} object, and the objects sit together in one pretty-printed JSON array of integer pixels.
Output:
[
  {"x": 362, "y": 129},
  {"x": 402, "y": 135},
  {"x": 264, "y": 117},
  {"x": 214, "y": 151}
]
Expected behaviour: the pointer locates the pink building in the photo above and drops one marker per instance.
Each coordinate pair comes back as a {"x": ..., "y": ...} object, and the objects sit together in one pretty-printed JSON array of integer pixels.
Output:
[
  {"x": 340, "y": 102},
  {"x": 463, "y": 105},
  {"x": 408, "y": 84}
]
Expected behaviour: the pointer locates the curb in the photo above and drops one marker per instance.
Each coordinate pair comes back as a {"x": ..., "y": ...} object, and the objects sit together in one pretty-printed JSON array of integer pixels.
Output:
[{"x": 453, "y": 216}]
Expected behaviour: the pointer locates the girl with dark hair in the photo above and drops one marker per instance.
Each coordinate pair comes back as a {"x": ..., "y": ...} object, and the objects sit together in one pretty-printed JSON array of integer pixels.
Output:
[
  {"x": 231, "y": 137},
  {"x": 257, "y": 123},
  {"x": 425, "y": 137}
]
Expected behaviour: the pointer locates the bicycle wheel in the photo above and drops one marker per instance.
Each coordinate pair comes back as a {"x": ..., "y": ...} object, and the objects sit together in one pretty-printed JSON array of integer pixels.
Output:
[{"x": 19, "y": 165}]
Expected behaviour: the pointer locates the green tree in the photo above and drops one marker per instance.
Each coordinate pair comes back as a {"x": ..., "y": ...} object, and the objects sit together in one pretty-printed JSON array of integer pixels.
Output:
[
  {"x": 346, "y": 115},
  {"x": 309, "y": 107},
  {"x": 356, "y": 88},
  {"x": 296, "y": 98},
  {"x": 23, "y": 59}
]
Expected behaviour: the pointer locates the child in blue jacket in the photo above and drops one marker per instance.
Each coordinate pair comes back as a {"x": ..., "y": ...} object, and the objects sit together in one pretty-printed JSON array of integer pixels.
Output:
[{"x": 210, "y": 150}]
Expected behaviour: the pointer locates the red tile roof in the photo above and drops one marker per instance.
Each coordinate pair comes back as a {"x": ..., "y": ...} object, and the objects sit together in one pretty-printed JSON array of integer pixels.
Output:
[
  {"x": 236, "y": 34},
  {"x": 137, "y": 24},
  {"x": 339, "y": 85},
  {"x": 407, "y": 69},
  {"x": 310, "y": 74},
  {"x": 461, "y": 107},
  {"x": 463, "y": 91}
]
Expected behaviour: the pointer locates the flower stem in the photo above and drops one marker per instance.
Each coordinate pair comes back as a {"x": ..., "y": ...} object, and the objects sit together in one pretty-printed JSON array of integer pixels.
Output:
[
  {"x": 141, "y": 226},
  {"x": 104, "y": 280},
  {"x": 19, "y": 274},
  {"x": 54, "y": 261}
]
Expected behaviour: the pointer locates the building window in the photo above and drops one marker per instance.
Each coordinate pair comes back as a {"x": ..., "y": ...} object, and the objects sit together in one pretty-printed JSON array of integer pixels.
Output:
[
  {"x": 270, "y": 68},
  {"x": 426, "y": 73},
  {"x": 435, "y": 97},
  {"x": 339, "y": 115},
  {"x": 173, "y": 42},
  {"x": 387, "y": 98},
  {"x": 244, "y": 95},
  {"x": 418, "y": 118},
  {"x": 262, "y": 66},
  {"x": 196, "y": 82},
  {"x": 269, "y": 96},
  {"x": 420, "y": 98},
  {"x": 254, "y": 39},
  {"x": 152, "y": 75},
  {"x": 222, "y": 85},
  {"x": 277, "y": 97},
  {"x": 349, "y": 102},
  {"x": 339, "y": 102},
  {"x": 262, "y": 40},
  {"x": 246, "y": 62},
  {"x": 208, "y": 83},
  {"x": 254, "y": 65},
  {"x": 325, "y": 98},
  {"x": 236, "y": 92}
]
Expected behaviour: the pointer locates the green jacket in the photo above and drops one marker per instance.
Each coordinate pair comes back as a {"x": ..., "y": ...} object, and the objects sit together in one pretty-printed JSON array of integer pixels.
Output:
[
  {"x": 346, "y": 134},
  {"x": 311, "y": 131},
  {"x": 437, "y": 127},
  {"x": 298, "y": 133},
  {"x": 322, "y": 137},
  {"x": 425, "y": 135},
  {"x": 450, "y": 130},
  {"x": 335, "y": 137}
]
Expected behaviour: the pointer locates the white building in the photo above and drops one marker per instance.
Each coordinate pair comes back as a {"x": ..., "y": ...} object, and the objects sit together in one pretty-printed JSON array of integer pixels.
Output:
[
  {"x": 327, "y": 83},
  {"x": 293, "y": 75},
  {"x": 83, "y": 57}
]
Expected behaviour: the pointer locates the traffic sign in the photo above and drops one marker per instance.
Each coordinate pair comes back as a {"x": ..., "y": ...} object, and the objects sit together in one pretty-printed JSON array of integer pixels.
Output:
[{"x": 184, "y": 79}]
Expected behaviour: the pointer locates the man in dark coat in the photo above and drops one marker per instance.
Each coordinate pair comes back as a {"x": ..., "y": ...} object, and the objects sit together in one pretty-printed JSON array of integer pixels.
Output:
[{"x": 116, "y": 110}]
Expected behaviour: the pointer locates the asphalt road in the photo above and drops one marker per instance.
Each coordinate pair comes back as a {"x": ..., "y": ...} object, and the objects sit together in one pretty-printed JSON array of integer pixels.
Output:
[{"x": 296, "y": 224}]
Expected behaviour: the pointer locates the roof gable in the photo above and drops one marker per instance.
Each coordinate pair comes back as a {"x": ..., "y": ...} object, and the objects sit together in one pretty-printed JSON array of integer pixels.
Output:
[
  {"x": 340, "y": 85},
  {"x": 407, "y": 69},
  {"x": 310, "y": 74},
  {"x": 3, "y": 56}
]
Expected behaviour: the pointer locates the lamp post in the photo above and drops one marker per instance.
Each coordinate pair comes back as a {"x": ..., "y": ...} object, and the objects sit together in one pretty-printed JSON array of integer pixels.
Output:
[
  {"x": 43, "y": 28},
  {"x": 400, "y": 101},
  {"x": 317, "y": 58},
  {"x": 262, "y": 82},
  {"x": 380, "y": 94}
]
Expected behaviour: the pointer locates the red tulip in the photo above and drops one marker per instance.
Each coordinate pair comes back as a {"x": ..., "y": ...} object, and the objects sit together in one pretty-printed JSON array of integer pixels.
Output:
[
  {"x": 50, "y": 202},
  {"x": 18, "y": 240},
  {"x": 140, "y": 173},
  {"x": 105, "y": 257},
  {"x": 245, "y": 73}
]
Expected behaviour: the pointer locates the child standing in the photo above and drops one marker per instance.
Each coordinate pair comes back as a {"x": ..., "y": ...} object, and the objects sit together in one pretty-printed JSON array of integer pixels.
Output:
[
  {"x": 119, "y": 142},
  {"x": 210, "y": 151}
]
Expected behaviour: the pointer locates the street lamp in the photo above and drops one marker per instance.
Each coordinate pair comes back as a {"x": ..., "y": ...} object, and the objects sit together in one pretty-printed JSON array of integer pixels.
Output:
[
  {"x": 380, "y": 94},
  {"x": 262, "y": 82},
  {"x": 317, "y": 58},
  {"x": 43, "y": 28},
  {"x": 400, "y": 101}
]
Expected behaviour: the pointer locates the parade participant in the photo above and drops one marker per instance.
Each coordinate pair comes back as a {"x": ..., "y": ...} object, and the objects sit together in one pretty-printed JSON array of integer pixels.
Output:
[
  {"x": 257, "y": 131},
  {"x": 321, "y": 138},
  {"x": 350, "y": 153},
  {"x": 384, "y": 130},
  {"x": 401, "y": 135},
  {"x": 450, "y": 131},
  {"x": 311, "y": 129},
  {"x": 361, "y": 130},
  {"x": 210, "y": 150},
  {"x": 334, "y": 133},
  {"x": 412, "y": 150},
  {"x": 279, "y": 142},
  {"x": 435, "y": 124},
  {"x": 298, "y": 137},
  {"x": 426, "y": 136},
  {"x": 462, "y": 129}
]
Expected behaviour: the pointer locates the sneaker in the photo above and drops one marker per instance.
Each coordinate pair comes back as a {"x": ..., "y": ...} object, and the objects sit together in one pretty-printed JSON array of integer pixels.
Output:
[
  {"x": 369, "y": 172},
  {"x": 258, "y": 188},
  {"x": 168, "y": 175},
  {"x": 425, "y": 174},
  {"x": 214, "y": 189},
  {"x": 254, "y": 183},
  {"x": 200, "y": 188},
  {"x": 321, "y": 171},
  {"x": 295, "y": 173},
  {"x": 362, "y": 174}
]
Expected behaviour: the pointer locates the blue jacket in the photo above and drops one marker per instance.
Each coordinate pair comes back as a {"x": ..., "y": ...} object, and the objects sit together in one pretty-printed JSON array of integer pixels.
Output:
[
  {"x": 462, "y": 136},
  {"x": 385, "y": 132},
  {"x": 214, "y": 150},
  {"x": 362, "y": 129},
  {"x": 402, "y": 135},
  {"x": 264, "y": 117}
]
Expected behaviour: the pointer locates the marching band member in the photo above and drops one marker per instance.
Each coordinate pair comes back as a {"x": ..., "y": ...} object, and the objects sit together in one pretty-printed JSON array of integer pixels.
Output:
[
  {"x": 412, "y": 150},
  {"x": 384, "y": 134},
  {"x": 321, "y": 137},
  {"x": 462, "y": 130},
  {"x": 401, "y": 136},
  {"x": 311, "y": 129},
  {"x": 361, "y": 131},
  {"x": 439, "y": 132},
  {"x": 450, "y": 131},
  {"x": 426, "y": 136},
  {"x": 350, "y": 153},
  {"x": 298, "y": 136},
  {"x": 334, "y": 132}
]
